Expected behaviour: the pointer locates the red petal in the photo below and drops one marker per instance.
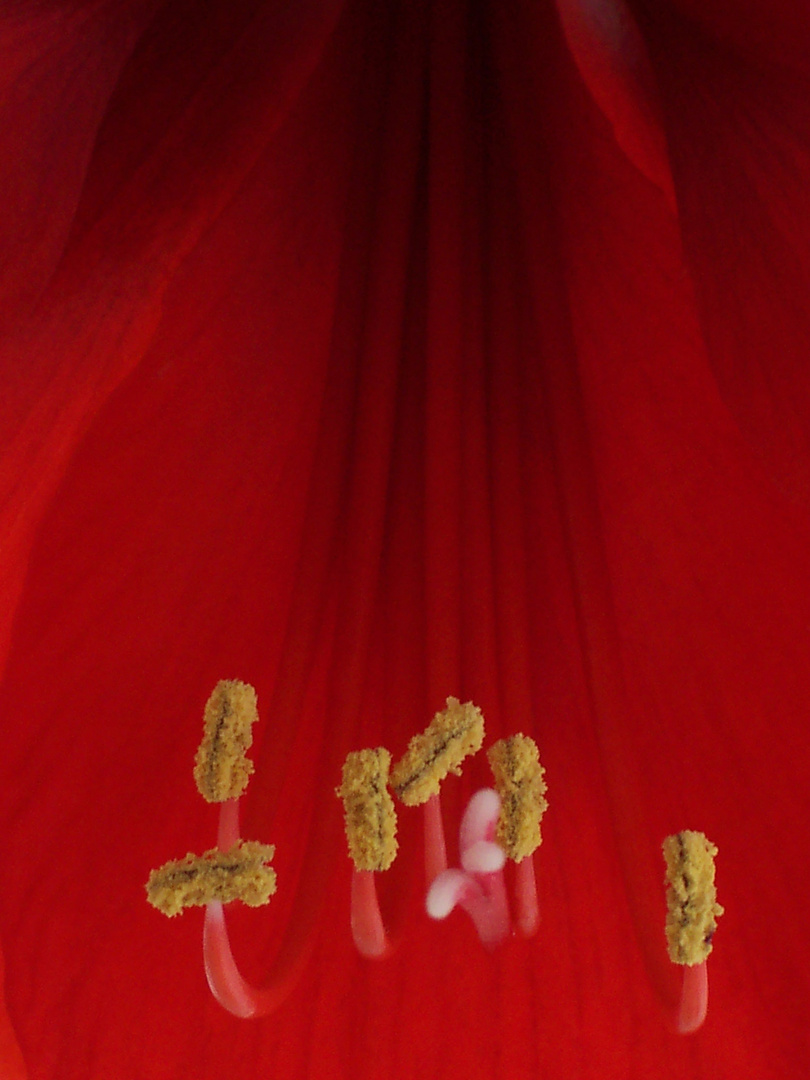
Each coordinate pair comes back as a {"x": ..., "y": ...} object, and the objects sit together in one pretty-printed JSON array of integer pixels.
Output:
[{"x": 373, "y": 370}]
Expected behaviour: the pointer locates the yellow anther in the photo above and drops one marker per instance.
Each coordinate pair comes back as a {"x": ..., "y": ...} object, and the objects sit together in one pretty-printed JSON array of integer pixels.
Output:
[
  {"x": 692, "y": 908},
  {"x": 221, "y": 769},
  {"x": 371, "y": 820},
  {"x": 518, "y": 774},
  {"x": 242, "y": 874},
  {"x": 453, "y": 734}
]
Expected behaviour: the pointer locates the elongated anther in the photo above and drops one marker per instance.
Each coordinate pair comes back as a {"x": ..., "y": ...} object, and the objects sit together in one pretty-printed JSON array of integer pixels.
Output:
[
  {"x": 520, "y": 783},
  {"x": 243, "y": 872},
  {"x": 221, "y": 767},
  {"x": 370, "y": 815},
  {"x": 692, "y": 908},
  {"x": 453, "y": 734}
]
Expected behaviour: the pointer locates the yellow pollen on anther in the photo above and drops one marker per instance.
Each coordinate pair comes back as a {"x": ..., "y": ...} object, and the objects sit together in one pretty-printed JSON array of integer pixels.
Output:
[
  {"x": 518, "y": 774},
  {"x": 221, "y": 769},
  {"x": 371, "y": 819},
  {"x": 242, "y": 874},
  {"x": 452, "y": 735},
  {"x": 692, "y": 908}
]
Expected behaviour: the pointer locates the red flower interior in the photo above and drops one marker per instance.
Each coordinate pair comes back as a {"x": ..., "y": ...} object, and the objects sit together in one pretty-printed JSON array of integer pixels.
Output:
[{"x": 375, "y": 353}]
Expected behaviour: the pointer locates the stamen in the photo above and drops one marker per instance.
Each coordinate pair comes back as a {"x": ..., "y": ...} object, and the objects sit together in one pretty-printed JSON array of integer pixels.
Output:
[
  {"x": 236, "y": 869},
  {"x": 692, "y": 913},
  {"x": 371, "y": 825},
  {"x": 480, "y": 892},
  {"x": 520, "y": 783}
]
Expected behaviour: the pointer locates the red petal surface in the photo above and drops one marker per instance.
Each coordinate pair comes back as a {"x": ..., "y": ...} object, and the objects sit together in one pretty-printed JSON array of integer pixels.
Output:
[{"x": 364, "y": 356}]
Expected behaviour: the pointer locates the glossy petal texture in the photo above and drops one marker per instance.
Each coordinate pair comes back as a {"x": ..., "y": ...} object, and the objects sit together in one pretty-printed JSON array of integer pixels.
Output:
[{"x": 358, "y": 351}]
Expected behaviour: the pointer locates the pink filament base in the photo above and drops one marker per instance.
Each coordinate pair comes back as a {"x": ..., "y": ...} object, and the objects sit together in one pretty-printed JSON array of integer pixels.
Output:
[
  {"x": 368, "y": 931},
  {"x": 527, "y": 908},
  {"x": 694, "y": 1003},
  {"x": 228, "y": 832},
  {"x": 225, "y": 981},
  {"x": 435, "y": 844}
]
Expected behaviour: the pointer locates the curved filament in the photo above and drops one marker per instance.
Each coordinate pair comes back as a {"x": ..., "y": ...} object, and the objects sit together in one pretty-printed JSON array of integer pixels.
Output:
[{"x": 225, "y": 980}]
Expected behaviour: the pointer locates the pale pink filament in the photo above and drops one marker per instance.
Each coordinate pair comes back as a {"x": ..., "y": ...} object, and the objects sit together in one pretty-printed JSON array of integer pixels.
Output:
[
  {"x": 368, "y": 931},
  {"x": 527, "y": 908},
  {"x": 435, "y": 846},
  {"x": 228, "y": 832},
  {"x": 694, "y": 1001}
]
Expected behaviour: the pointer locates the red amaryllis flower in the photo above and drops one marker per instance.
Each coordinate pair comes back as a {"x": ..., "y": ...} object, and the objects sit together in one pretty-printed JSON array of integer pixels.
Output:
[{"x": 375, "y": 353}]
